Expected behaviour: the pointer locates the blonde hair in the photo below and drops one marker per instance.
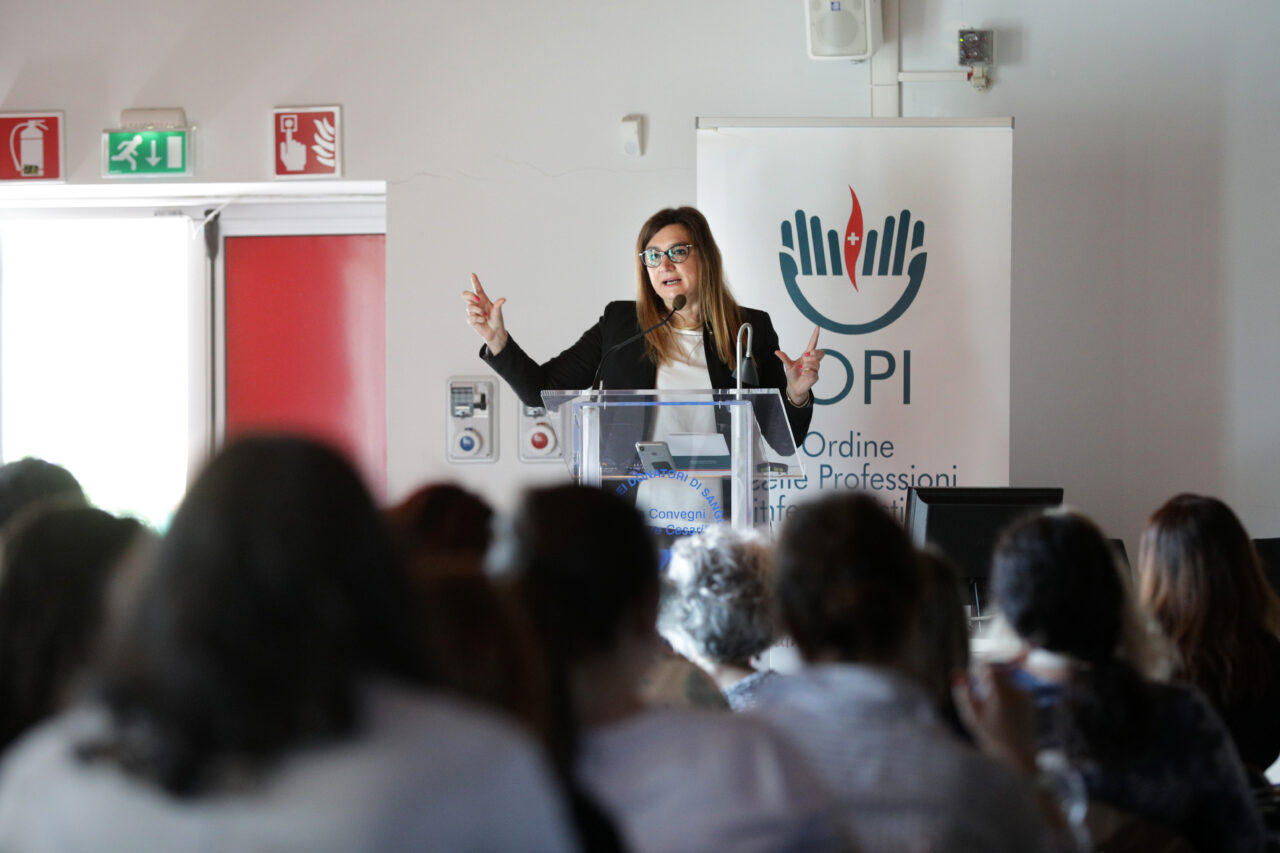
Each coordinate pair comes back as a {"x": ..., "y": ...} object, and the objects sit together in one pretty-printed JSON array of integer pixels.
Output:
[{"x": 719, "y": 310}]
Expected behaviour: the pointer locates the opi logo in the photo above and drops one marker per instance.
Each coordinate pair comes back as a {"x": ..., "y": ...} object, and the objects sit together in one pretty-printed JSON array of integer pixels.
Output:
[
  {"x": 827, "y": 283},
  {"x": 855, "y": 285}
]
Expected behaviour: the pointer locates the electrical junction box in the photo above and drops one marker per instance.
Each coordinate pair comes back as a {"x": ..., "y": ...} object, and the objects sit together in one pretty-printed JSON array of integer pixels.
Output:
[
  {"x": 538, "y": 439},
  {"x": 472, "y": 419},
  {"x": 977, "y": 47}
]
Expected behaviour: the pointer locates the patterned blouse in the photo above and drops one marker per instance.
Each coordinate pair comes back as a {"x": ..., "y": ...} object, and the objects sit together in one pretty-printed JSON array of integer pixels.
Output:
[{"x": 1185, "y": 773}]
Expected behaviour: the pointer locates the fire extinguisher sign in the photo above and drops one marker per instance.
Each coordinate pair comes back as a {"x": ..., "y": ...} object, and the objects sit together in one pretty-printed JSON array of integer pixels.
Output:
[{"x": 32, "y": 146}]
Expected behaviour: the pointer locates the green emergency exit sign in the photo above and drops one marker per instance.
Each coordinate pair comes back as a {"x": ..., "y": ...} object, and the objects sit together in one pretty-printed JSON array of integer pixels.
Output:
[{"x": 146, "y": 153}]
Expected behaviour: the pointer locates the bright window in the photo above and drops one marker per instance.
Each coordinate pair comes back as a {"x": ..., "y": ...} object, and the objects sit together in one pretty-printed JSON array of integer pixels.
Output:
[{"x": 95, "y": 354}]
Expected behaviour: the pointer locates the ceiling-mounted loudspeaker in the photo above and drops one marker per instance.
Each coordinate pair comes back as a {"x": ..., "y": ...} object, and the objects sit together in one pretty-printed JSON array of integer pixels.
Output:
[{"x": 843, "y": 29}]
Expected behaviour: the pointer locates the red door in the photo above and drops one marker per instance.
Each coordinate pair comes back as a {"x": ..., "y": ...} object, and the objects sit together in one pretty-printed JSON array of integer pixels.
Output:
[{"x": 306, "y": 342}]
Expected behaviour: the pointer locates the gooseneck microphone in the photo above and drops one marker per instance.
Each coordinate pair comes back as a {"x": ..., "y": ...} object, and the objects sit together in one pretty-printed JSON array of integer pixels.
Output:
[{"x": 676, "y": 305}]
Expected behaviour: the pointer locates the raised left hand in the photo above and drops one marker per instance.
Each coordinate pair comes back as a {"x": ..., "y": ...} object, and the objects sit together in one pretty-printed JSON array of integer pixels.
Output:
[{"x": 802, "y": 372}]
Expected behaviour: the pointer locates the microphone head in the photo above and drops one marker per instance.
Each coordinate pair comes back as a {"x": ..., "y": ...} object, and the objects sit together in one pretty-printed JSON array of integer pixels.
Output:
[
  {"x": 747, "y": 371},
  {"x": 678, "y": 302}
]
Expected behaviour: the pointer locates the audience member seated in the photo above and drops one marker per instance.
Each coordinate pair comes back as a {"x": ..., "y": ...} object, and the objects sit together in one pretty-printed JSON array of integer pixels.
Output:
[
  {"x": 28, "y": 481},
  {"x": 55, "y": 571},
  {"x": 480, "y": 642},
  {"x": 1157, "y": 752},
  {"x": 1199, "y": 575},
  {"x": 941, "y": 635},
  {"x": 444, "y": 531},
  {"x": 264, "y": 691},
  {"x": 675, "y": 779},
  {"x": 849, "y": 587},
  {"x": 717, "y": 608},
  {"x": 479, "y": 639}
]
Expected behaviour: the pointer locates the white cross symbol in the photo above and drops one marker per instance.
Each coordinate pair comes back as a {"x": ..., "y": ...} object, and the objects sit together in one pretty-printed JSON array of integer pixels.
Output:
[{"x": 853, "y": 239}]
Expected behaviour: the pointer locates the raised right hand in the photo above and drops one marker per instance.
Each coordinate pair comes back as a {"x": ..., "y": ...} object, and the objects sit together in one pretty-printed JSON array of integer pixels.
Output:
[
  {"x": 999, "y": 715},
  {"x": 485, "y": 316}
]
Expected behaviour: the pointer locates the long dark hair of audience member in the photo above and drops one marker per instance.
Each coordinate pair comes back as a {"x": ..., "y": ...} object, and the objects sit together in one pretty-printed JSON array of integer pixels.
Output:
[
  {"x": 576, "y": 595},
  {"x": 1199, "y": 575},
  {"x": 941, "y": 635},
  {"x": 56, "y": 569},
  {"x": 272, "y": 594},
  {"x": 479, "y": 639},
  {"x": 1056, "y": 582}
]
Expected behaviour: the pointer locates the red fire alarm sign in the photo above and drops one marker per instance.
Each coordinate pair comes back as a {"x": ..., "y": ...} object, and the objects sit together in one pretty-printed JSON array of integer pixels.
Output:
[{"x": 308, "y": 142}]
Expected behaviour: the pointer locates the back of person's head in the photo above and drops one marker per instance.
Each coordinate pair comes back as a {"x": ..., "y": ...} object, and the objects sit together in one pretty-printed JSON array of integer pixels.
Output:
[
  {"x": 1056, "y": 582},
  {"x": 940, "y": 631},
  {"x": 717, "y": 598},
  {"x": 28, "y": 481},
  {"x": 1200, "y": 576},
  {"x": 479, "y": 640},
  {"x": 583, "y": 561},
  {"x": 444, "y": 529},
  {"x": 55, "y": 572},
  {"x": 847, "y": 580},
  {"x": 272, "y": 594}
]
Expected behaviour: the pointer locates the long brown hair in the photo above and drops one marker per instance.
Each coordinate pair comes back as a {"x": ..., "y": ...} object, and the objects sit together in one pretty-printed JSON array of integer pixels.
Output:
[
  {"x": 1201, "y": 577},
  {"x": 719, "y": 310}
]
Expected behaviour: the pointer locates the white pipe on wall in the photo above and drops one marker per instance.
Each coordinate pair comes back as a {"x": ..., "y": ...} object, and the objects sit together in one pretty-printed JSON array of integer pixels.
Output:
[{"x": 886, "y": 65}]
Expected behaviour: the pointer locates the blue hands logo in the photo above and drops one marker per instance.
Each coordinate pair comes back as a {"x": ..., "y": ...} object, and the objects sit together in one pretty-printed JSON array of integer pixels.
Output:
[
  {"x": 805, "y": 260},
  {"x": 811, "y": 271}
]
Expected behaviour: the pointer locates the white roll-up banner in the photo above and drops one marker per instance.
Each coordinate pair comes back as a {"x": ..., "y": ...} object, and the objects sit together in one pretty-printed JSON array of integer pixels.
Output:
[{"x": 893, "y": 238}]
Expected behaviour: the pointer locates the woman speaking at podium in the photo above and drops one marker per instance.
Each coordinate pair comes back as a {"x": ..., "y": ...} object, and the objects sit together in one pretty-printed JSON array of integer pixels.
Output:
[{"x": 692, "y": 325}]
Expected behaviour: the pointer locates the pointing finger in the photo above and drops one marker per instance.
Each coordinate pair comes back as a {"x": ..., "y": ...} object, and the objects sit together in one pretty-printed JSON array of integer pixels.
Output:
[
  {"x": 476, "y": 286},
  {"x": 813, "y": 341}
]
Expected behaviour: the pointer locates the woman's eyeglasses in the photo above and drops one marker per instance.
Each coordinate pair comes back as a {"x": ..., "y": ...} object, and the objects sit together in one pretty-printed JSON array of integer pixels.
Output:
[{"x": 679, "y": 253}]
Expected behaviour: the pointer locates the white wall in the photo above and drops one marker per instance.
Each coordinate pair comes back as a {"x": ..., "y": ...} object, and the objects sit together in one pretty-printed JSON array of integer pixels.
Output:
[{"x": 1146, "y": 190}]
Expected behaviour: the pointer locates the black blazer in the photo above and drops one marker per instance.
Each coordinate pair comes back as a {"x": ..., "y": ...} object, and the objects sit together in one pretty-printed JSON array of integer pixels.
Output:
[{"x": 630, "y": 367}]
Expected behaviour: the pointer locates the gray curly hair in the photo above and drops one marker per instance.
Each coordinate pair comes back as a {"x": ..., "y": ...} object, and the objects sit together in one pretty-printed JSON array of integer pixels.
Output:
[{"x": 717, "y": 596}]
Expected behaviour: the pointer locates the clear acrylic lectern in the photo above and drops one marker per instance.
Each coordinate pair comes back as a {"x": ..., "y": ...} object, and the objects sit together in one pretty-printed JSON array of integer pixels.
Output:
[{"x": 705, "y": 447}]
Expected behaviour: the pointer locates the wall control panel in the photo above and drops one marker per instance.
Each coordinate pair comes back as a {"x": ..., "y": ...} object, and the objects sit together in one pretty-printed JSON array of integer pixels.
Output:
[{"x": 472, "y": 430}]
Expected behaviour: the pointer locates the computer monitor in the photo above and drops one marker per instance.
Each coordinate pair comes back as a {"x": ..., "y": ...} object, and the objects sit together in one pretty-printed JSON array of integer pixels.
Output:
[
  {"x": 965, "y": 522},
  {"x": 1269, "y": 552}
]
